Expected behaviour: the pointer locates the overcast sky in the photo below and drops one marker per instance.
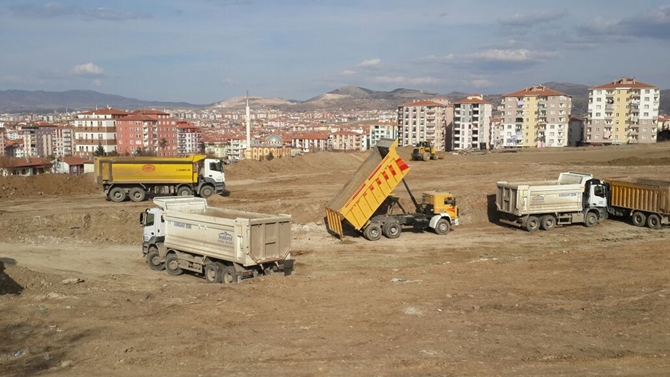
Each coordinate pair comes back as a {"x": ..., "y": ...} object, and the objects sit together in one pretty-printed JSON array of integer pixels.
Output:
[{"x": 202, "y": 51}]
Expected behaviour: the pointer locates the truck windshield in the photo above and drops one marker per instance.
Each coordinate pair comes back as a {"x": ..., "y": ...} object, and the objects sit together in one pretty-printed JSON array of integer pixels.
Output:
[
  {"x": 216, "y": 166},
  {"x": 149, "y": 220}
]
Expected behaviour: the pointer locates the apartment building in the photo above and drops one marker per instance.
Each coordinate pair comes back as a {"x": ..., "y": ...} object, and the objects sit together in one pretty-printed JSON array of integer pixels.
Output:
[
  {"x": 624, "y": 111},
  {"x": 381, "y": 130},
  {"x": 347, "y": 141},
  {"x": 188, "y": 139},
  {"x": 311, "y": 142},
  {"x": 135, "y": 132},
  {"x": 96, "y": 128},
  {"x": 2, "y": 142},
  {"x": 424, "y": 121},
  {"x": 167, "y": 140},
  {"x": 575, "y": 132},
  {"x": 536, "y": 117},
  {"x": 472, "y": 124},
  {"x": 62, "y": 141}
]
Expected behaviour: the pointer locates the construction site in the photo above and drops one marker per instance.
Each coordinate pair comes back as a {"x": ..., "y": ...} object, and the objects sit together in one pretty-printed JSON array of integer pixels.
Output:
[{"x": 78, "y": 299}]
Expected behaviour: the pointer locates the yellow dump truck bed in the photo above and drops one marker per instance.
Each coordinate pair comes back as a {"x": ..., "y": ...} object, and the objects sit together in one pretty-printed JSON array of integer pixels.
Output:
[
  {"x": 147, "y": 170},
  {"x": 640, "y": 194},
  {"x": 372, "y": 183}
]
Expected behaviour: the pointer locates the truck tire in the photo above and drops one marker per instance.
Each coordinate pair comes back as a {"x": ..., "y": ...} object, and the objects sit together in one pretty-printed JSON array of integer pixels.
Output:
[
  {"x": 137, "y": 194},
  {"x": 172, "y": 265},
  {"x": 212, "y": 273},
  {"x": 392, "y": 229},
  {"x": 373, "y": 232},
  {"x": 184, "y": 191},
  {"x": 654, "y": 221},
  {"x": 639, "y": 219},
  {"x": 154, "y": 259},
  {"x": 591, "y": 219},
  {"x": 117, "y": 194},
  {"x": 228, "y": 275},
  {"x": 442, "y": 227},
  {"x": 548, "y": 222},
  {"x": 206, "y": 191},
  {"x": 532, "y": 223}
]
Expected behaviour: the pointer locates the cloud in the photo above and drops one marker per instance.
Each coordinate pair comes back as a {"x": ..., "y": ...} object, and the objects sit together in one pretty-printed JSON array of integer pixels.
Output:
[
  {"x": 371, "y": 63},
  {"x": 402, "y": 80},
  {"x": 532, "y": 19},
  {"x": 55, "y": 9},
  {"x": 87, "y": 70},
  {"x": 521, "y": 55},
  {"x": 97, "y": 82},
  {"x": 347, "y": 72},
  {"x": 653, "y": 24},
  {"x": 228, "y": 82},
  {"x": 479, "y": 83}
]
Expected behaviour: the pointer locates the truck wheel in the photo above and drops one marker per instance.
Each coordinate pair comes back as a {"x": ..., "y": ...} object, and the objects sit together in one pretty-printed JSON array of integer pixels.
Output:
[
  {"x": 184, "y": 191},
  {"x": 212, "y": 273},
  {"x": 654, "y": 221},
  {"x": 639, "y": 219},
  {"x": 206, "y": 191},
  {"x": 442, "y": 227},
  {"x": 229, "y": 275},
  {"x": 591, "y": 219},
  {"x": 532, "y": 223},
  {"x": 172, "y": 265},
  {"x": 392, "y": 229},
  {"x": 137, "y": 194},
  {"x": 373, "y": 232},
  {"x": 154, "y": 259},
  {"x": 548, "y": 222},
  {"x": 117, "y": 194}
]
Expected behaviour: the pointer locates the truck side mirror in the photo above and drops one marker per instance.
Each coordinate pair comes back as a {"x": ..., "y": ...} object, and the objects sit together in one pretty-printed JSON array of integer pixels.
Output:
[{"x": 142, "y": 219}]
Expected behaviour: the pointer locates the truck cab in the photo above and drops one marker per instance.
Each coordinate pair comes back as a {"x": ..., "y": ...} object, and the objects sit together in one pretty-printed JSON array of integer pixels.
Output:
[
  {"x": 442, "y": 204},
  {"x": 211, "y": 172},
  {"x": 154, "y": 229}
]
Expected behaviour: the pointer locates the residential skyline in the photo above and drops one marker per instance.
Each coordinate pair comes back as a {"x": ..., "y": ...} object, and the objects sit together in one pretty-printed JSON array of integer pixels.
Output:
[{"x": 205, "y": 51}]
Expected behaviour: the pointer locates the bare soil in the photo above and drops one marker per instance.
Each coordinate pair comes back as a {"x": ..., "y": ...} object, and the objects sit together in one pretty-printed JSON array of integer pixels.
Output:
[{"x": 77, "y": 299}]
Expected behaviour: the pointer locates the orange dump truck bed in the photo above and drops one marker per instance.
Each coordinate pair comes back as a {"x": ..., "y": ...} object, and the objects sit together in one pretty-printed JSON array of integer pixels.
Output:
[
  {"x": 372, "y": 183},
  {"x": 641, "y": 194}
]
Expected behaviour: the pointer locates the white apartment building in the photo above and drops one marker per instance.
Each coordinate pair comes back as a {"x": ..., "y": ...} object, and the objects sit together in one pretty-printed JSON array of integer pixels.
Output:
[
  {"x": 381, "y": 130},
  {"x": 94, "y": 128},
  {"x": 624, "y": 111},
  {"x": 472, "y": 124}
]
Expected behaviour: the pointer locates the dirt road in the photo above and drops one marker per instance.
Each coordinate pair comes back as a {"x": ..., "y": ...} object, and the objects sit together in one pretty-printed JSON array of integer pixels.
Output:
[{"x": 484, "y": 300}]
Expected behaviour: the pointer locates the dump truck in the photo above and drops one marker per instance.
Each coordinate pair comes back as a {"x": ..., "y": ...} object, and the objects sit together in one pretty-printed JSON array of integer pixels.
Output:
[
  {"x": 137, "y": 177},
  {"x": 223, "y": 245},
  {"x": 573, "y": 198},
  {"x": 644, "y": 201},
  {"x": 367, "y": 205},
  {"x": 424, "y": 151}
]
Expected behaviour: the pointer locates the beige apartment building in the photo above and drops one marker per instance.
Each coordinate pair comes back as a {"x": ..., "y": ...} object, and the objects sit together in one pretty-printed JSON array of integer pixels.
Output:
[
  {"x": 624, "y": 111},
  {"x": 424, "y": 121},
  {"x": 536, "y": 117}
]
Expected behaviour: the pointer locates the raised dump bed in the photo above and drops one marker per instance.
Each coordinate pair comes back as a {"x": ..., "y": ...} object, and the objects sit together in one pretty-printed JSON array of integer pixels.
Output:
[{"x": 368, "y": 188}]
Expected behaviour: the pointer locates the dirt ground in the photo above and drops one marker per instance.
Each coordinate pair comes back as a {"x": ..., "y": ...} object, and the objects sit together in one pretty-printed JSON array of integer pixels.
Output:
[{"x": 77, "y": 299}]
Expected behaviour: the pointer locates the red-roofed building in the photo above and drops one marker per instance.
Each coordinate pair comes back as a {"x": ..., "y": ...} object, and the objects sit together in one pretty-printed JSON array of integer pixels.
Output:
[
  {"x": 536, "y": 117},
  {"x": 24, "y": 166},
  {"x": 424, "y": 121},
  {"x": 310, "y": 142},
  {"x": 663, "y": 122},
  {"x": 135, "y": 132},
  {"x": 96, "y": 128},
  {"x": 347, "y": 141},
  {"x": 69, "y": 165},
  {"x": 624, "y": 111},
  {"x": 472, "y": 124}
]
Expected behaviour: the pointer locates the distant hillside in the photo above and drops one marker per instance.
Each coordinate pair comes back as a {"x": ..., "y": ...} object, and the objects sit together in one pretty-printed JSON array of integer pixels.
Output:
[
  {"x": 35, "y": 101},
  {"x": 254, "y": 101}
]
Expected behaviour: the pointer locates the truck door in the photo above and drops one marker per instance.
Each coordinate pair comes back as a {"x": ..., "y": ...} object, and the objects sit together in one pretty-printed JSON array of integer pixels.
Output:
[
  {"x": 214, "y": 170},
  {"x": 597, "y": 194},
  {"x": 154, "y": 225}
]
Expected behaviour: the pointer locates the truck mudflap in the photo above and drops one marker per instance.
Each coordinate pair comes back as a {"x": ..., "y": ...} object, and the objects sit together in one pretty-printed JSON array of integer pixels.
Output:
[{"x": 334, "y": 220}]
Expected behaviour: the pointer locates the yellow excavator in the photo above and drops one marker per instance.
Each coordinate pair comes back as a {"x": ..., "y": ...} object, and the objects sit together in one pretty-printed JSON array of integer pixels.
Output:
[{"x": 424, "y": 151}]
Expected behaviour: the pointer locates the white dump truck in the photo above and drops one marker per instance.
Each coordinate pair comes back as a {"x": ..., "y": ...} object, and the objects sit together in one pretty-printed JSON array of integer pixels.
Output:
[
  {"x": 224, "y": 245},
  {"x": 573, "y": 198}
]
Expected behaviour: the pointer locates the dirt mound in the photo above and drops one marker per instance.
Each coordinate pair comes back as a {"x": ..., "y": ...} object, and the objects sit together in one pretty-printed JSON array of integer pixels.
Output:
[
  {"x": 47, "y": 184},
  {"x": 634, "y": 161},
  {"x": 310, "y": 163}
]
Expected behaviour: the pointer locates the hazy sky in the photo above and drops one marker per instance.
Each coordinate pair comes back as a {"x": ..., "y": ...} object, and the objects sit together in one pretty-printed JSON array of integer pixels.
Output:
[{"x": 202, "y": 51}]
